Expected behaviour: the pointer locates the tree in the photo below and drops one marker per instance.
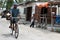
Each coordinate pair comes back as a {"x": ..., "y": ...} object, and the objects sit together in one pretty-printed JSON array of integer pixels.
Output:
[
  {"x": 20, "y": 1},
  {"x": 1, "y": 3},
  {"x": 9, "y": 4},
  {"x": 44, "y": 0}
]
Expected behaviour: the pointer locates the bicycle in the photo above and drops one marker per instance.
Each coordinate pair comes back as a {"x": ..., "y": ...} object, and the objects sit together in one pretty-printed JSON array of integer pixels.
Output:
[{"x": 15, "y": 28}]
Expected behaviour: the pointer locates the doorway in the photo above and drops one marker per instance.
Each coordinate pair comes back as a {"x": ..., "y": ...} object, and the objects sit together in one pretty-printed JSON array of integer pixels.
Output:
[
  {"x": 43, "y": 14},
  {"x": 44, "y": 10},
  {"x": 28, "y": 14}
]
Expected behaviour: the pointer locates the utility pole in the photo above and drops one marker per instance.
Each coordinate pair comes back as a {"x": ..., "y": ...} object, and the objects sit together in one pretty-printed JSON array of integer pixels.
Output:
[{"x": 51, "y": 13}]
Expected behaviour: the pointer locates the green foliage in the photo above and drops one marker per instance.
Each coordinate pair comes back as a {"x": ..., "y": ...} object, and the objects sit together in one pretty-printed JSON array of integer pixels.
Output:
[
  {"x": 33, "y": 0},
  {"x": 44, "y": 0},
  {"x": 20, "y": 1},
  {"x": 9, "y": 4},
  {"x": 1, "y": 3}
]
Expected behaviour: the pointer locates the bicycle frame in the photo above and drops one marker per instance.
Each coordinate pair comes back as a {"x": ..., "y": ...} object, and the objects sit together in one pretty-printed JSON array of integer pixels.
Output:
[{"x": 15, "y": 28}]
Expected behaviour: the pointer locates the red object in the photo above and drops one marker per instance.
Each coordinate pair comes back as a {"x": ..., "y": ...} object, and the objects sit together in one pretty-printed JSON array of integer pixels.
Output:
[
  {"x": 54, "y": 16},
  {"x": 43, "y": 5}
]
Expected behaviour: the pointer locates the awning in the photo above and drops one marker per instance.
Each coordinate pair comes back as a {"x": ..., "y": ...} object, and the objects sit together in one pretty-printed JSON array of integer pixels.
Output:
[{"x": 45, "y": 4}]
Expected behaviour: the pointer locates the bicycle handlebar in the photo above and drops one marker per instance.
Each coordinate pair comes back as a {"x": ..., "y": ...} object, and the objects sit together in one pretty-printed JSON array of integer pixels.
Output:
[{"x": 15, "y": 17}]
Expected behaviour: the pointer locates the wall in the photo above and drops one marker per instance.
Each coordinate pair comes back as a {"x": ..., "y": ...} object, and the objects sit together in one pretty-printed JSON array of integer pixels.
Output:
[
  {"x": 59, "y": 11},
  {"x": 21, "y": 9}
]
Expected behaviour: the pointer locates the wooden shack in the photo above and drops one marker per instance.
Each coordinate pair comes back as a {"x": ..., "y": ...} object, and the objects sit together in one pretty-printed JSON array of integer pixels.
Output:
[{"x": 44, "y": 8}]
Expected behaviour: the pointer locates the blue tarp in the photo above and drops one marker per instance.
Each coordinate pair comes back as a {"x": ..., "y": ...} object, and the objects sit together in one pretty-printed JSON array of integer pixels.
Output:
[{"x": 57, "y": 19}]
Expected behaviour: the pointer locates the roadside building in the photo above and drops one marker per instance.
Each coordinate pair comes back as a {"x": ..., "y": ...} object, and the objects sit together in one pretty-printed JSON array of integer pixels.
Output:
[{"x": 36, "y": 8}]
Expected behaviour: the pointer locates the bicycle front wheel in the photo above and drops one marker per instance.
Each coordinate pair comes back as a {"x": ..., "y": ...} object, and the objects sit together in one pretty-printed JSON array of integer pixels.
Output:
[{"x": 17, "y": 32}]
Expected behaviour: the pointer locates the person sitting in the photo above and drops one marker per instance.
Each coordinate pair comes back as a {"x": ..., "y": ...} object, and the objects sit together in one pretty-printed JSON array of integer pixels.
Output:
[{"x": 14, "y": 13}]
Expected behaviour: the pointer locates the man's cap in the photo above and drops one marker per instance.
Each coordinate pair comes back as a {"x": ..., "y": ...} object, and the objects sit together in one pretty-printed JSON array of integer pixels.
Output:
[{"x": 15, "y": 4}]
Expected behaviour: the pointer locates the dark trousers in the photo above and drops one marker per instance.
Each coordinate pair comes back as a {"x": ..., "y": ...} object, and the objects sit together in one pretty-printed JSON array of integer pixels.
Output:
[{"x": 32, "y": 24}]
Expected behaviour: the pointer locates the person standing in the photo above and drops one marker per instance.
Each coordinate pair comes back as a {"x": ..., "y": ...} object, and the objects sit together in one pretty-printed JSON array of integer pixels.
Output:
[{"x": 32, "y": 22}]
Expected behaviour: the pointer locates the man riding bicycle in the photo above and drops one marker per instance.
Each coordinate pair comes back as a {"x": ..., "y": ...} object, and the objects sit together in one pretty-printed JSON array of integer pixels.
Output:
[{"x": 14, "y": 15}]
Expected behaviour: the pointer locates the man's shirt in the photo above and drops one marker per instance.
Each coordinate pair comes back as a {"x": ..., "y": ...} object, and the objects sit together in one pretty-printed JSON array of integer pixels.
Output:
[{"x": 15, "y": 12}]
